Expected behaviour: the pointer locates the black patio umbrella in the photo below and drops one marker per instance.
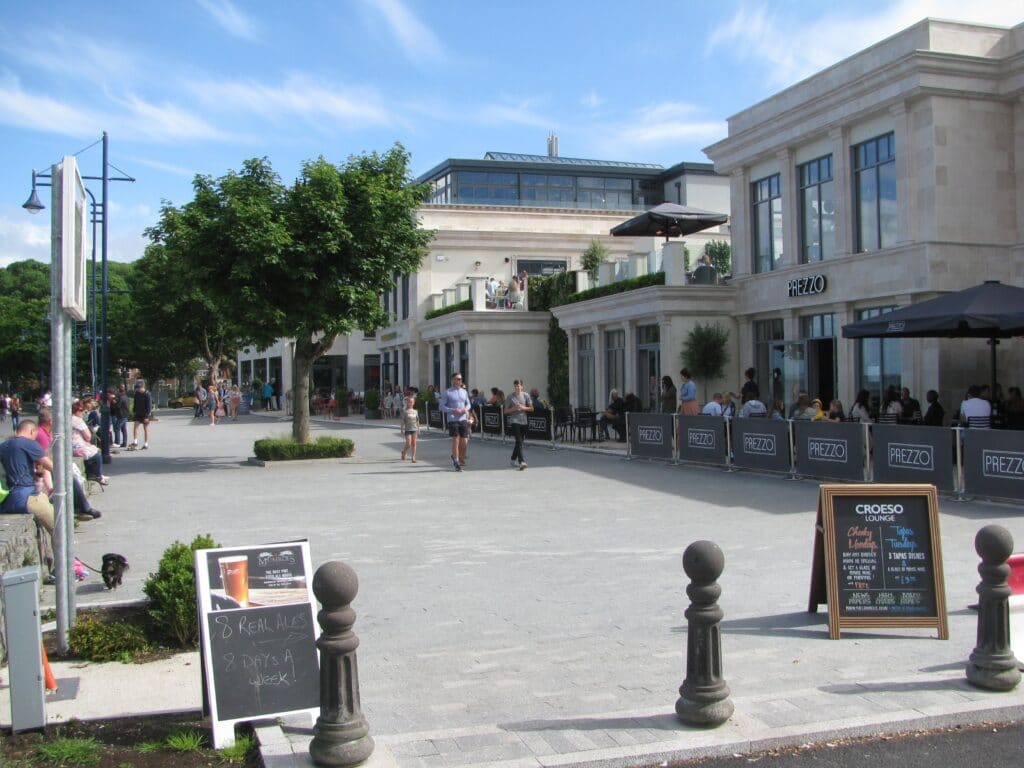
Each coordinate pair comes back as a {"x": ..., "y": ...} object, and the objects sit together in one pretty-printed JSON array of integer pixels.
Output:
[
  {"x": 670, "y": 220},
  {"x": 987, "y": 311}
]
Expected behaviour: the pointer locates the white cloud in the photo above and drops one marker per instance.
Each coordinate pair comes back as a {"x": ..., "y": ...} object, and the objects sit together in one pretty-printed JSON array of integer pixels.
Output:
[
  {"x": 591, "y": 100},
  {"x": 171, "y": 168},
  {"x": 73, "y": 57},
  {"x": 231, "y": 19},
  {"x": 664, "y": 125},
  {"x": 298, "y": 96},
  {"x": 23, "y": 236},
  {"x": 514, "y": 114},
  {"x": 416, "y": 39},
  {"x": 757, "y": 33}
]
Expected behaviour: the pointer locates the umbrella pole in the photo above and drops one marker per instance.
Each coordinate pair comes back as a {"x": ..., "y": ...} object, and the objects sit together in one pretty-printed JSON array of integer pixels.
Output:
[{"x": 992, "y": 343}]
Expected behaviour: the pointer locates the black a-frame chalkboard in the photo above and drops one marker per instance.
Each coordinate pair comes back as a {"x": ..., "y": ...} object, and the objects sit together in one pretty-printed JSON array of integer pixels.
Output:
[{"x": 878, "y": 558}]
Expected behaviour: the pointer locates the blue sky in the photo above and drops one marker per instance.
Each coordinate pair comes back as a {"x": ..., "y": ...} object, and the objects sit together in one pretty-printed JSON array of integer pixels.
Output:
[{"x": 197, "y": 86}]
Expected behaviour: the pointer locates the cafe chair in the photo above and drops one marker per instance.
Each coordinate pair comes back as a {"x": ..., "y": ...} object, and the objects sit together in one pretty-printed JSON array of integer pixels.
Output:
[
  {"x": 586, "y": 424},
  {"x": 888, "y": 418},
  {"x": 565, "y": 425},
  {"x": 979, "y": 422}
]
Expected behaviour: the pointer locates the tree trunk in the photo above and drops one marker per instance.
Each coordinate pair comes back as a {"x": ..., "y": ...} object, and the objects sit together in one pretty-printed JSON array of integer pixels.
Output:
[{"x": 300, "y": 395}]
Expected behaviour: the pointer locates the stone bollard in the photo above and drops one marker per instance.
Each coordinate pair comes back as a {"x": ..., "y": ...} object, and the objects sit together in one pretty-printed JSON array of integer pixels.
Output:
[
  {"x": 341, "y": 734},
  {"x": 704, "y": 695},
  {"x": 992, "y": 664}
]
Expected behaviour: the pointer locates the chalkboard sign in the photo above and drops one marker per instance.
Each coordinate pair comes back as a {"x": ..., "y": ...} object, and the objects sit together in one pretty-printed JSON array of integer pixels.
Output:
[
  {"x": 258, "y": 633},
  {"x": 878, "y": 558}
]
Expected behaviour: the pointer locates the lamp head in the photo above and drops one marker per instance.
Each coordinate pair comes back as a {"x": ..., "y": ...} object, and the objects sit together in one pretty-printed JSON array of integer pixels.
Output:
[{"x": 33, "y": 205}]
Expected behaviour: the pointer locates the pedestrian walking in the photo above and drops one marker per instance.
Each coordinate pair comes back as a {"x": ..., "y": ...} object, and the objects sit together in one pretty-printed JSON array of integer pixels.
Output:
[
  {"x": 455, "y": 404},
  {"x": 120, "y": 411},
  {"x": 410, "y": 428},
  {"x": 142, "y": 412},
  {"x": 213, "y": 403},
  {"x": 517, "y": 406}
]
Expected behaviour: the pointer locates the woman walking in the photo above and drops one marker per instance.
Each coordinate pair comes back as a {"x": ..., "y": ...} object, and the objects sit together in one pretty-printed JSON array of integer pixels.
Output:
[
  {"x": 410, "y": 428},
  {"x": 213, "y": 402}
]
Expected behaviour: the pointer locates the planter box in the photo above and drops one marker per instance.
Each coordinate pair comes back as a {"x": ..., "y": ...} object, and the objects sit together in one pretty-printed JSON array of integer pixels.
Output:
[{"x": 372, "y": 414}]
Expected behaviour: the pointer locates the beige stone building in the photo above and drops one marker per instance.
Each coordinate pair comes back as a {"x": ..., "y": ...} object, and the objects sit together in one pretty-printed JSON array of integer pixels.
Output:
[{"x": 884, "y": 180}]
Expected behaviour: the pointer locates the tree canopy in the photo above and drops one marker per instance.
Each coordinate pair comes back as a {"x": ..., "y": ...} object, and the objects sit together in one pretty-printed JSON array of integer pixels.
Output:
[
  {"x": 705, "y": 352},
  {"x": 306, "y": 262}
]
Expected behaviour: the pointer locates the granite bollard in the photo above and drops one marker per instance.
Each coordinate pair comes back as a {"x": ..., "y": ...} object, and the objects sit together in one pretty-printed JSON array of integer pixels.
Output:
[{"x": 992, "y": 664}]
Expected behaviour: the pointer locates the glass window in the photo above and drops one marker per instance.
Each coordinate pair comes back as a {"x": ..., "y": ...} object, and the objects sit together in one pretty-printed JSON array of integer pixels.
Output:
[
  {"x": 769, "y": 359},
  {"x": 406, "y": 373},
  {"x": 879, "y": 361},
  {"x": 487, "y": 187},
  {"x": 874, "y": 185},
  {"x": 464, "y": 360},
  {"x": 437, "y": 367},
  {"x": 817, "y": 326},
  {"x": 405, "y": 297},
  {"x": 246, "y": 371},
  {"x": 585, "y": 371},
  {"x": 648, "y": 373},
  {"x": 615, "y": 360},
  {"x": 817, "y": 210},
  {"x": 766, "y": 217},
  {"x": 449, "y": 361}
]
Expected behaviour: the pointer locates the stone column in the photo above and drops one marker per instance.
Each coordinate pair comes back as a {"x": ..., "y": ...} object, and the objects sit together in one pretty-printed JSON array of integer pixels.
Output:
[
  {"x": 704, "y": 695},
  {"x": 341, "y": 735}
]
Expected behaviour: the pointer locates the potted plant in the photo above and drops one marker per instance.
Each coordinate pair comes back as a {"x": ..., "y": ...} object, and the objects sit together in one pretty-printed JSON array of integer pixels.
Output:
[
  {"x": 371, "y": 404},
  {"x": 342, "y": 400}
]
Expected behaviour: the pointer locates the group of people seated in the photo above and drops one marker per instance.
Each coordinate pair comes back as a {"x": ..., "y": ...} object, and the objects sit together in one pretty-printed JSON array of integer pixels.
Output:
[{"x": 502, "y": 295}]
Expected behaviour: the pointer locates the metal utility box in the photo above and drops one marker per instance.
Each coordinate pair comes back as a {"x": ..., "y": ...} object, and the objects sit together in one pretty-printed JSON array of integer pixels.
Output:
[{"x": 24, "y": 648}]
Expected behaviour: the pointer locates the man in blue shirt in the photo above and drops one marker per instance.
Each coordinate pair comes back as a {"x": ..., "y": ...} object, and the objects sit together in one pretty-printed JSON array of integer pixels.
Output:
[
  {"x": 20, "y": 455},
  {"x": 456, "y": 406}
]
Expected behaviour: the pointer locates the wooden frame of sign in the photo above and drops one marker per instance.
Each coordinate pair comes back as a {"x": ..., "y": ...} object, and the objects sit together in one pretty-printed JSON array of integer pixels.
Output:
[
  {"x": 878, "y": 558},
  {"x": 257, "y": 634}
]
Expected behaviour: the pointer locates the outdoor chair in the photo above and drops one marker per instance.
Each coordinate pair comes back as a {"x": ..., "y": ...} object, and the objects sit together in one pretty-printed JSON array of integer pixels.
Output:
[
  {"x": 565, "y": 425},
  {"x": 979, "y": 422},
  {"x": 586, "y": 424},
  {"x": 888, "y": 418}
]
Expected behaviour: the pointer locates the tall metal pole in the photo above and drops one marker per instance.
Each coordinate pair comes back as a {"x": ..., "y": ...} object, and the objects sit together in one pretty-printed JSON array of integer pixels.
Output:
[{"x": 105, "y": 436}]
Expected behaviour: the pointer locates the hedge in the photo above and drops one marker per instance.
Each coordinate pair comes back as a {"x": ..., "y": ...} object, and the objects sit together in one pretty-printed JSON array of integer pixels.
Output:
[{"x": 286, "y": 449}]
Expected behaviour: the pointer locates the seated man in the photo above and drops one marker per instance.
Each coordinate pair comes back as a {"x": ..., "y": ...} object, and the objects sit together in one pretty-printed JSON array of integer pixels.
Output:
[
  {"x": 633, "y": 403},
  {"x": 20, "y": 455},
  {"x": 614, "y": 415},
  {"x": 713, "y": 407}
]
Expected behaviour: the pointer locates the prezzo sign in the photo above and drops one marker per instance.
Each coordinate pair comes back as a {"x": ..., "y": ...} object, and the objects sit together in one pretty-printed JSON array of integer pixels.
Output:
[
  {"x": 807, "y": 286},
  {"x": 701, "y": 439},
  {"x": 827, "y": 449},
  {"x": 648, "y": 434},
  {"x": 759, "y": 443},
  {"x": 1004, "y": 465},
  {"x": 912, "y": 456}
]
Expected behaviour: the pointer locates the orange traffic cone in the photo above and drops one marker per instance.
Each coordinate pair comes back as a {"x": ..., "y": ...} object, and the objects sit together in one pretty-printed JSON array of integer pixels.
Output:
[{"x": 48, "y": 679}]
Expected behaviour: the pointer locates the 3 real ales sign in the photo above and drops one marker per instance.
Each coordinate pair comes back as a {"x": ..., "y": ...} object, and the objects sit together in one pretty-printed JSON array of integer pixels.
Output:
[
  {"x": 878, "y": 558},
  {"x": 256, "y": 620}
]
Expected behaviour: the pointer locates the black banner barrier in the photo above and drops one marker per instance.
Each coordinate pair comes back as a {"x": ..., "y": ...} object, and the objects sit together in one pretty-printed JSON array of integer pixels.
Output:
[
  {"x": 701, "y": 439},
  {"x": 911, "y": 454},
  {"x": 761, "y": 444},
  {"x": 490, "y": 420},
  {"x": 829, "y": 449},
  {"x": 538, "y": 425},
  {"x": 994, "y": 462},
  {"x": 434, "y": 416},
  {"x": 650, "y": 434}
]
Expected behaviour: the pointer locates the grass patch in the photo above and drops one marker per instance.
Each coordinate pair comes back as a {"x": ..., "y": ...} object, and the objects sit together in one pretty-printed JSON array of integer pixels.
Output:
[
  {"x": 238, "y": 751},
  {"x": 286, "y": 449},
  {"x": 189, "y": 740},
  {"x": 71, "y": 751}
]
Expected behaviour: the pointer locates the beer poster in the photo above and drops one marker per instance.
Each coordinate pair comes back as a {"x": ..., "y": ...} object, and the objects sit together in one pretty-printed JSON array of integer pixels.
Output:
[{"x": 258, "y": 632}]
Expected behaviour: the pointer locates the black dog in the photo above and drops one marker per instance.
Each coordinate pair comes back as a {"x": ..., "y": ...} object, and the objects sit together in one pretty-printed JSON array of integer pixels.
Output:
[{"x": 113, "y": 569}]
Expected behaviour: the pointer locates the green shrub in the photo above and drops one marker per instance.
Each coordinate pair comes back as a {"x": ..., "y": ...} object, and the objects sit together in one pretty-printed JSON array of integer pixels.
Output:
[
  {"x": 286, "y": 449},
  {"x": 630, "y": 284},
  {"x": 371, "y": 400},
  {"x": 96, "y": 640},
  {"x": 172, "y": 592},
  {"x": 460, "y": 306}
]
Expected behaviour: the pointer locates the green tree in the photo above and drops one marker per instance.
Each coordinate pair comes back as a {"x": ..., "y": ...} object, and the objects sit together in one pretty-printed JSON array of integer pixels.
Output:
[
  {"x": 24, "y": 325},
  {"x": 306, "y": 262},
  {"x": 593, "y": 257},
  {"x": 720, "y": 254},
  {"x": 705, "y": 352}
]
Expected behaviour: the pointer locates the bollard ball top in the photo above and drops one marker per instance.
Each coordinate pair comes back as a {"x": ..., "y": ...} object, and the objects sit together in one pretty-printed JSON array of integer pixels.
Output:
[
  {"x": 703, "y": 561},
  {"x": 994, "y": 544},
  {"x": 335, "y": 584}
]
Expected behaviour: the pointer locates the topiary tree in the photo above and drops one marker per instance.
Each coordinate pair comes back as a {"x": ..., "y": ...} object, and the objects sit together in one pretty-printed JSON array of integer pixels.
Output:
[
  {"x": 172, "y": 592},
  {"x": 592, "y": 259},
  {"x": 705, "y": 352}
]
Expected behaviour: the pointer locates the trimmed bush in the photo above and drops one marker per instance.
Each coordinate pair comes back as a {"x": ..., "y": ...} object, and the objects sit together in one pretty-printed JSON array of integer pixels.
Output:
[
  {"x": 96, "y": 640},
  {"x": 630, "y": 284},
  {"x": 172, "y": 592},
  {"x": 461, "y": 306},
  {"x": 286, "y": 449}
]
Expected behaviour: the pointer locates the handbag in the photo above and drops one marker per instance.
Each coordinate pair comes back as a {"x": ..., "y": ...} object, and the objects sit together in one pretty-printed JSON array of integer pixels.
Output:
[{"x": 220, "y": 410}]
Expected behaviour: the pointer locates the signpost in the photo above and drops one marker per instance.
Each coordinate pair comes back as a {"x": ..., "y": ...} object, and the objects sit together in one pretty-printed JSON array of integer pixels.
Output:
[
  {"x": 878, "y": 558},
  {"x": 256, "y": 620}
]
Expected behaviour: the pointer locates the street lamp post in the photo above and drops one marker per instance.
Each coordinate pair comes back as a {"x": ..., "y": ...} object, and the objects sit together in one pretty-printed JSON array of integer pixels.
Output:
[{"x": 34, "y": 205}]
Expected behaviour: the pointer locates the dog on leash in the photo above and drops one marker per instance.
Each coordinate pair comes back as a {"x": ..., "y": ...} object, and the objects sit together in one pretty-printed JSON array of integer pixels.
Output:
[{"x": 113, "y": 569}]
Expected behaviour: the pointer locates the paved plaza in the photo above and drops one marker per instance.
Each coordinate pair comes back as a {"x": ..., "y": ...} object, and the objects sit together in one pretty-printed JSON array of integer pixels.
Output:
[{"x": 536, "y": 618}]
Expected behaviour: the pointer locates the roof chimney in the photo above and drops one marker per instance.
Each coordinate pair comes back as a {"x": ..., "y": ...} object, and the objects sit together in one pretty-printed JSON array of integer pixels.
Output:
[{"x": 552, "y": 145}]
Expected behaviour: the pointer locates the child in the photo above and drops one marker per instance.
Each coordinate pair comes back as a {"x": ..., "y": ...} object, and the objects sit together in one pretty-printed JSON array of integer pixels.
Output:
[{"x": 411, "y": 428}]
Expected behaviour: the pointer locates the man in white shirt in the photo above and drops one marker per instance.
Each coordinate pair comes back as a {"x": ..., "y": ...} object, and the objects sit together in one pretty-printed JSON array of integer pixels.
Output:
[
  {"x": 714, "y": 406},
  {"x": 975, "y": 405}
]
